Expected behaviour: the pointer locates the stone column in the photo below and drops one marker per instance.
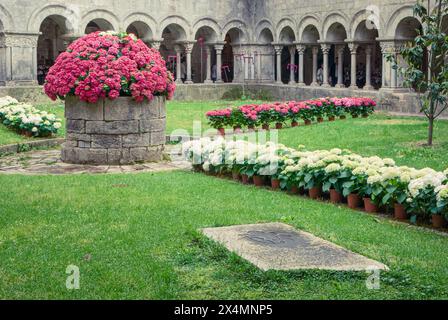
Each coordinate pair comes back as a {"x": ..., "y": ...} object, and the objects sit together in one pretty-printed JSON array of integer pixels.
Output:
[
  {"x": 325, "y": 50},
  {"x": 301, "y": 49},
  {"x": 353, "y": 53},
  {"x": 18, "y": 58},
  {"x": 278, "y": 53},
  {"x": 340, "y": 51},
  {"x": 208, "y": 74},
  {"x": 292, "y": 70},
  {"x": 368, "y": 85},
  {"x": 315, "y": 53},
  {"x": 385, "y": 65},
  {"x": 218, "y": 49},
  {"x": 188, "y": 50},
  {"x": 178, "y": 49}
]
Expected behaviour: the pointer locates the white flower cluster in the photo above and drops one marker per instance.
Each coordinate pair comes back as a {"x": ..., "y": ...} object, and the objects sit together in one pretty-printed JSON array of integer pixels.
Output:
[
  {"x": 219, "y": 153},
  {"x": 270, "y": 159},
  {"x": 25, "y": 117}
]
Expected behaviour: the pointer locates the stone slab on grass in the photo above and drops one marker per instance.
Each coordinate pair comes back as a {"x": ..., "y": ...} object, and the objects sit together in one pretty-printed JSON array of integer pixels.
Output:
[{"x": 277, "y": 246}]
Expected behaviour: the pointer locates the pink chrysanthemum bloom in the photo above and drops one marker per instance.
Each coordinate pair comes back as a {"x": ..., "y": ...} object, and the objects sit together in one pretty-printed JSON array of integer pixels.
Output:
[{"x": 109, "y": 65}]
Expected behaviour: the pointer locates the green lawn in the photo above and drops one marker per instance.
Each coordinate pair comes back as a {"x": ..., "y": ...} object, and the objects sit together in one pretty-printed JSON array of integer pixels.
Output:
[{"x": 135, "y": 237}]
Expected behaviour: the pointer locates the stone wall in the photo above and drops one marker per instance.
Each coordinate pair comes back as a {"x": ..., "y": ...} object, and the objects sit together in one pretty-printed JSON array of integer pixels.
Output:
[
  {"x": 404, "y": 102},
  {"x": 114, "y": 132}
]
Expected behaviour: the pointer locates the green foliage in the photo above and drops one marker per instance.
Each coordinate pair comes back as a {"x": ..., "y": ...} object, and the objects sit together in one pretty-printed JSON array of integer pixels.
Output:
[{"x": 429, "y": 48}]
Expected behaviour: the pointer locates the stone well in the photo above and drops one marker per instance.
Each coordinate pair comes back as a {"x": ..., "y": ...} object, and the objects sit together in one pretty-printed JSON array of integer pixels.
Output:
[{"x": 118, "y": 132}]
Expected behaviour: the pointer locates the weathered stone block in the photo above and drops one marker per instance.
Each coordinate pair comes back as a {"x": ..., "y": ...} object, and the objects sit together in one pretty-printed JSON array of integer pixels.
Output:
[
  {"x": 106, "y": 141},
  {"x": 158, "y": 138},
  {"x": 136, "y": 140},
  {"x": 124, "y": 109},
  {"x": 76, "y": 109},
  {"x": 84, "y": 144},
  {"x": 76, "y": 126},
  {"x": 153, "y": 125},
  {"x": 112, "y": 127},
  {"x": 78, "y": 137}
]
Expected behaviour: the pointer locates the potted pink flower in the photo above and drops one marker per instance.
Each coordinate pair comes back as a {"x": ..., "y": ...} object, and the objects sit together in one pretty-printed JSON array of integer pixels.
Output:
[{"x": 114, "y": 88}]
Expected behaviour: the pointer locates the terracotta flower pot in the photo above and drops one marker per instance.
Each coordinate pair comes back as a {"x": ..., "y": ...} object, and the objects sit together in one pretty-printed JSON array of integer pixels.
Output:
[
  {"x": 315, "y": 192},
  {"x": 369, "y": 206},
  {"x": 236, "y": 176},
  {"x": 258, "y": 181},
  {"x": 343, "y": 117},
  {"x": 354, "y": 116},
  {"x": 331, "y": 119},
  {"x": 320, "y": 120},
  {"x": 335, "y": 196},
  {"x": 294, "y": 190},
  {"x": 279, "y": 126},
  {"x": 294, "y": 124},
  {"x": 275, "y": 184},
  {"x": 400, "y": 212},
  {"x": 221, "y": 132},
  {"x": 237, "y": 129},
  {"x": 265, "y": 126},
  {"x": 354, "y": 201},
  {"x": 307, "y": 122},
  {"x": 245, "y": 179},
  {"x": 438, "y": 221}
]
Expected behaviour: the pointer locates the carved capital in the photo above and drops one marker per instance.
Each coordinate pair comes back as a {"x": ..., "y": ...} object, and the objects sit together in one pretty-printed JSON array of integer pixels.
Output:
[
  {"x": 301, "y": 48},
  {"x": 325, "y": 48},
  {"x": 18, "y": 40},
  {"x": 353, "y": 47}
]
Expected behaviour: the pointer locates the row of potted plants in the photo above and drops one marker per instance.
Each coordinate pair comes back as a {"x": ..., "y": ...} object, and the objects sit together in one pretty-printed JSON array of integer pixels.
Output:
[
  {"x": 255, "y": 115},
  {"x": 26, "y": 119},
  {"x": 372, "y": 182}
]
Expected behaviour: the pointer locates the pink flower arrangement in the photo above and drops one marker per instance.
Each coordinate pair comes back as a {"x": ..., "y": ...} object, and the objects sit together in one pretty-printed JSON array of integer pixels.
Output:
[
  {"x": 108, "y": 65},
  {"x": 263, "y": 114}
]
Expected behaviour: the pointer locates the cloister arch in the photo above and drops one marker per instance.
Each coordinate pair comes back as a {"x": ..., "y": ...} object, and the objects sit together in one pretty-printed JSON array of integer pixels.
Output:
[
  {"x": 396, "y": 17},
  {"x": 142, "y": 25},
  {"x": 55, "y": 31},
  {"x": 205, "y": 36},
  {"x": 141, "y": 30},
  {"x": 100, "y": 20},
  {"x": 334, "y": 23},
  {"x": 369, "y": 56},
  {"x": 264, "y": 32},
  {"x": 236, "y": 34},
  {"x": 286, "y": 27},
  {"x": 62, "y": 13}
]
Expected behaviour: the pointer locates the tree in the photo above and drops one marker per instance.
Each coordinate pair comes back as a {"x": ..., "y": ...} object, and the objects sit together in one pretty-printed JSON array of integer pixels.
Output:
[{"x": 430, "y": 48}]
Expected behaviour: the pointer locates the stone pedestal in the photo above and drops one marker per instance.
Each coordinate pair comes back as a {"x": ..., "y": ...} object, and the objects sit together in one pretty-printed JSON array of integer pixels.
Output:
[{"x": 118, "y": 132}]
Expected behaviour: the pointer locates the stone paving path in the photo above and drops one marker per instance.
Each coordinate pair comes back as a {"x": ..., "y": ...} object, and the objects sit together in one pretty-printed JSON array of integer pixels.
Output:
[{"x": 49, "y": 162}]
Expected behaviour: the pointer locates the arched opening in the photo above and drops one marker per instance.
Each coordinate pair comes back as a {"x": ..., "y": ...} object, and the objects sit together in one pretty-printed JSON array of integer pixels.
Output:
[
  {"x": 310, "y": 37},
  {"x": 287, "y": 38},
  {"x": 51, "y": 43},
  {"x": 407, "y": 30},
  {"x": 336, "y": 36},
  {"x": 98, "y": 25},
  {"x": 265, "y": 57},
  {"x": 233, "y": 37},
  {"x": 141, "y": 30},
  {"x": 369, "y": 56},
  {"x": 204, "y": 37},
  {"x": 173, "y": 35}
]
